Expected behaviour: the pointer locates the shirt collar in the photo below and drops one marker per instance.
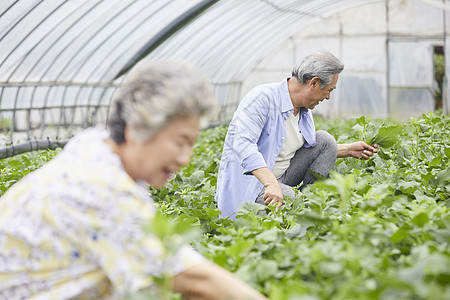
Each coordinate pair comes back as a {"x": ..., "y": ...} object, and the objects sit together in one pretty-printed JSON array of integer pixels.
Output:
[
  {"x": 303, "y": 110},
  {"x": 286, "y": 102}
]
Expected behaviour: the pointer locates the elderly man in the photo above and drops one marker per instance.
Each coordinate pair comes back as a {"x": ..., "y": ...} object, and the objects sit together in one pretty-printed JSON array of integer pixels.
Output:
[{"x": 271, "y": 141}]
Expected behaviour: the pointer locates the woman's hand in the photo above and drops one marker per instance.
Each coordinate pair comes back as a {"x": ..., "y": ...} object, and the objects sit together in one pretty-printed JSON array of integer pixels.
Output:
[{"x": 209, "y": 281}]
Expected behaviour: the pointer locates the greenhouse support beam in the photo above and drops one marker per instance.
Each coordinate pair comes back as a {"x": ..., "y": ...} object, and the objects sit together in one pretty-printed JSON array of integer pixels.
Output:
[
  {"x": 54, "y": 83},
  {"x": 166, "y": 33}
]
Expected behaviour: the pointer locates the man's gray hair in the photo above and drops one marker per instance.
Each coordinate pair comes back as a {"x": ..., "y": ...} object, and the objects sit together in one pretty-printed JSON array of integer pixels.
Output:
[
  {"x": 154, "y": 93},
  {"x": 322, "y": 64}
]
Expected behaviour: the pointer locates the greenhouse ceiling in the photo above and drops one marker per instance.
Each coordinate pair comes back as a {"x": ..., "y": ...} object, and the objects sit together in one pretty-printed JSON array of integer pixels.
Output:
[{"x": 92, "y": 42}]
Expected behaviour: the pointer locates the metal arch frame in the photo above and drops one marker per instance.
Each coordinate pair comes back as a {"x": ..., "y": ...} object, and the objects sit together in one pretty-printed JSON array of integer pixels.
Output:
[
  {"x": 111, "y": 66},
  {"x": 164, "y": 34},
  {"x": 286, "y": 10},
  {"x": 167, "y": 53},
  {"x": 108, "y": 70},
  {"x": 8, "y": 31},
  {"x": 171, "y": 51},
  {"x": 256, "y": 34},
  {"x": 15, "y": 48},
  {"x": 105, "y": 90},
  {"x": 89, "y": 76},
  {"x": 320, "y": 7},
  {"x": 1, "y": 63},
  {"x": 242, "y": 72},
  {"x": 57, "y": 39},
  {"x": 57, "y": 56},
  {"x": 98, "y": 30},
  {"x": 172, "y": 48},
  {"x": 230, "y": 50},
  {"x": 32, "y": 68},
  {"x": 45, "y": 72},
  {"x": 230, "y": 54},
  {"x": 275, "y": 36},
  {"x": 6, "y": 10},
  {"x": 186, "y": 17},
  {"x": 206, "y": 36},
  {"x": 104, "y": 75},
  {"x": 233, "y": 38},
  {"x": 261, "y": 0},
  {"x": 90, "y": 39},
  {"x": 98, "y": 47},
  {"x": 75, "y": 72}
]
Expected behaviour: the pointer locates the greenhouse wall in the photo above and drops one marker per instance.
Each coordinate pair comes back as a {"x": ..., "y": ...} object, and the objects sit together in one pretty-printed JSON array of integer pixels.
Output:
[
  {"x": 387, "y": 48},
  {"x": 61, "y": 61}
]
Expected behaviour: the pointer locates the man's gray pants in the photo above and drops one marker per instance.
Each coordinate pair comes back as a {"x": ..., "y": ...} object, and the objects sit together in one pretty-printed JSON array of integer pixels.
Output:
[{"x": 320, "y": 159}]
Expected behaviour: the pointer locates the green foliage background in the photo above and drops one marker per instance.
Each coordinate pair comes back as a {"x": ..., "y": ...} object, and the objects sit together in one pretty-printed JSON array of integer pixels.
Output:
[
  {"x": 376, "y": 229},
  {"x": 439, "y": 74}
]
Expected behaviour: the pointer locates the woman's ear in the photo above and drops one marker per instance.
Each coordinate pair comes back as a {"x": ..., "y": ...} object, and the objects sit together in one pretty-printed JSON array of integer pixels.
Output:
[{"x": 127, "y": 134}]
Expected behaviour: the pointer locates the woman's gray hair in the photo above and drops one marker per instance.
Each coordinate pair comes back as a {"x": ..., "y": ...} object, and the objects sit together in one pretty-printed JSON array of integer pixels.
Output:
[
  {"x": 154, "y": 93},
  {"x": 322, "y": 64}
]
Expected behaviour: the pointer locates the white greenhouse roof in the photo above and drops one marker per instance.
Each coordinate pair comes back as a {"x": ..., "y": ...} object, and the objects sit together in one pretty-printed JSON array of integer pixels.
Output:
[
  {"x": 62, "y": 60},
  {"x": 89, "y": 42}
]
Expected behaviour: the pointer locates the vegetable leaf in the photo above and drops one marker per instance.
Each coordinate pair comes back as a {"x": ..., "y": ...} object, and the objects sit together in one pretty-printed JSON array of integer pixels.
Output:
[{"x": 387, "y": 136}]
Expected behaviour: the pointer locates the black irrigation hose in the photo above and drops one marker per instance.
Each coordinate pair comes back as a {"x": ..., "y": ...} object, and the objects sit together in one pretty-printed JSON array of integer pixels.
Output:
[
  {"x": 10, "y": 151},
  {"x": 48, "y": 144}
]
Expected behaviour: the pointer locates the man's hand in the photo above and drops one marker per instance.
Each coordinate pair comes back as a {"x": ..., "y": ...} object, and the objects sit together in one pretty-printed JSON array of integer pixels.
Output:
[
  {"x": 273, "y": 195},
  {"x": 360, "y": 150}
]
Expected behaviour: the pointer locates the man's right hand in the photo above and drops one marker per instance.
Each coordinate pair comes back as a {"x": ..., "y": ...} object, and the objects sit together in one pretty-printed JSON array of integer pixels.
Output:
[{"x": 273, "y": 195}]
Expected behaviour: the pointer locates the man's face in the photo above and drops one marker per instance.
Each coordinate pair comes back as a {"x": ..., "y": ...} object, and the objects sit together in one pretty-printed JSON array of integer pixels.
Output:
[{"x": 317, "y": 94}]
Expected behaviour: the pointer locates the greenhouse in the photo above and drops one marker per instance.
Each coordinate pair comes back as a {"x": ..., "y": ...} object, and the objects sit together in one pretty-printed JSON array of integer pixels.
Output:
[
  {"x": 377, "y": 228},
  {"x": 62, "y": 60}
]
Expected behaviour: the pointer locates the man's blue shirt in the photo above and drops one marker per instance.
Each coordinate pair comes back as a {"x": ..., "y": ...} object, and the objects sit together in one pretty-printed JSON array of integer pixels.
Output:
[{"x": 254, "y": 139}]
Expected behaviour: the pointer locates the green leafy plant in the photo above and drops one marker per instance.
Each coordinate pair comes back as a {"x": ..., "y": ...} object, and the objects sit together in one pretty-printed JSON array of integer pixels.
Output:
[
  {"x": 387, "y": 136},
  {"x": 375, "y": 229},
  {"x": 14, "y": 168}
]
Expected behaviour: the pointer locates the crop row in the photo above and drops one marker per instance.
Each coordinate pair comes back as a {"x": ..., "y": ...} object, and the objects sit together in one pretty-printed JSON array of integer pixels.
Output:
[{"x": 376, "y": 229}]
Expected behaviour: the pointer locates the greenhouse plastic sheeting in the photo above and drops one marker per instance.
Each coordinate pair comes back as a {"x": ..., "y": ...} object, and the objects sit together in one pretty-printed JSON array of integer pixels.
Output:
[
  {"x": 387, "y": 48},
  {"x": 59, "y": 58}
]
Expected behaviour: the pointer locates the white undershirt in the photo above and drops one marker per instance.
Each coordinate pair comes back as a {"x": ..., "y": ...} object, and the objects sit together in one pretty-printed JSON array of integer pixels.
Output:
[{"x": 294, "y": 140}]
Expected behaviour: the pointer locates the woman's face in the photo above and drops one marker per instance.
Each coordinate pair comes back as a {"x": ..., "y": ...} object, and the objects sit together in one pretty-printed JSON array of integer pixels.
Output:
[{"x": 154, "y": 160}]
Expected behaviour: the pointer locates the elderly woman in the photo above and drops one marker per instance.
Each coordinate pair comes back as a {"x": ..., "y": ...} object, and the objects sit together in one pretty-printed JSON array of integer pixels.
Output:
[{"x": 73, "y": 228}]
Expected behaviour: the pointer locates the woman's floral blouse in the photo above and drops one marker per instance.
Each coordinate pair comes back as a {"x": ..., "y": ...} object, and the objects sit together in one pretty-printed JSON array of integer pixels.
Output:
[{"x": 73, "y": 229}]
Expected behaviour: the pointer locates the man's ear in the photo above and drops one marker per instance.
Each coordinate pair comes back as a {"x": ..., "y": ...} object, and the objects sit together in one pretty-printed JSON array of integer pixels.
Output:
[{"x": 315, "y": 81}]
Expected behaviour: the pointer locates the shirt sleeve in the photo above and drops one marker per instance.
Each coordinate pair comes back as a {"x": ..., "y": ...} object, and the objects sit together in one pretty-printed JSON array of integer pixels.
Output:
[
  {"x": 249, "y": 124},
  {"x": 112, "y": 235}
]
